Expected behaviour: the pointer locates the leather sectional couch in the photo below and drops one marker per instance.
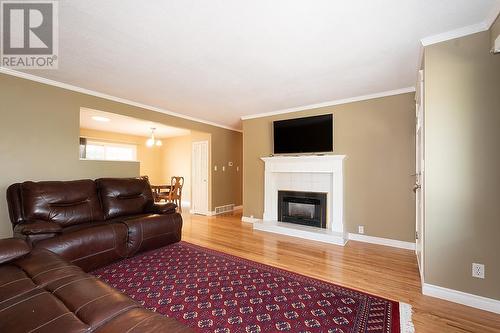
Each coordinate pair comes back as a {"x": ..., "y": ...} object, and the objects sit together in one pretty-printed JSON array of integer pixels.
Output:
[
  {"x": 63, "y": 229},
  {"x": 92, "y": 223},
  {"x": 43, "y": 293}
]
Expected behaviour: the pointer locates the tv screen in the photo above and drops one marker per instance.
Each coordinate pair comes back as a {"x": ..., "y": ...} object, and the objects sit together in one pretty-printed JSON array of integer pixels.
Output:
[{"x": 304, "y": 135}]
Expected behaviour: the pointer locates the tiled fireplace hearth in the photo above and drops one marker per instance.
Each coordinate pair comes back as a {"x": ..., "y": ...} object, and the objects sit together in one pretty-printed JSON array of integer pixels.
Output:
[{"x": 313, "y": 189}]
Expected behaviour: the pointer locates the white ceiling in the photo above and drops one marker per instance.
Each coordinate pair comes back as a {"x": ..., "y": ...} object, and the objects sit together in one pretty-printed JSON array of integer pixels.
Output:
[
  {"x": 222, "y": 59},
  {"x": 127, "y": 125}
]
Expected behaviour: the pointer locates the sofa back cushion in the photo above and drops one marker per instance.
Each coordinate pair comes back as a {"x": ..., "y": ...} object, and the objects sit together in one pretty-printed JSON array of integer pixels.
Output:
[
  {"x": 124, "y": 196},
  {"x": 64, "y": 202}
]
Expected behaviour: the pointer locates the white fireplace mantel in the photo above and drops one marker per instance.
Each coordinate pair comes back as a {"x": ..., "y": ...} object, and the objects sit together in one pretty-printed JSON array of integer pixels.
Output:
[{"x": 312, "y": 173}]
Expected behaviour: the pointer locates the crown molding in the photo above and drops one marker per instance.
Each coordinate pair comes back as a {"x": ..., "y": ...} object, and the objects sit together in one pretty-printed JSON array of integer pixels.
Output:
[
  {"x": 464, "y": 31},
  {"x": 66, "y": 86},
  {"x": 456, "y": 33},
  {"x": 332, "y": 103}
]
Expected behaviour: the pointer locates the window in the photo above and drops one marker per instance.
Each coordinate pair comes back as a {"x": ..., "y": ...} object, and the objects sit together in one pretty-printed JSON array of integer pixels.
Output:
[{"x": 110, "y": 151}]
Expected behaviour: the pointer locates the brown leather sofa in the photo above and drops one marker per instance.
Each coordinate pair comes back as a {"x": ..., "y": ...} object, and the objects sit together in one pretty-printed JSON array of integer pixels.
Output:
[
  {"x": 92, "y": 223},
  {"x": 41, "y": 292}
]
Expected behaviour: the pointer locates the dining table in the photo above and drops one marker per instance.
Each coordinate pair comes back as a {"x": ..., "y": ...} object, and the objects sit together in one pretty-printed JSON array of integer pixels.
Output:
[{"x": 161, "y": 191}]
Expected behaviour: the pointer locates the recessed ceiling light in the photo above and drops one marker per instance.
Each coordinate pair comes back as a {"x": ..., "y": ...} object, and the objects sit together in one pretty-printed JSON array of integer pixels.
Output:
[{"x": 101, "y": 119}]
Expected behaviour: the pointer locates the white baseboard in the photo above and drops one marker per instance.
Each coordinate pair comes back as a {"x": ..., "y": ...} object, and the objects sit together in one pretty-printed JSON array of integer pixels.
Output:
[
  {"x": 207, "y": 213},
  {"x": 300, "y": 231},
  {"x": 475, "y": 301},
  {"x": 249, "y": 219},
  {"x": 238, "y": 207},
  {"x": 382, "y": 241}
]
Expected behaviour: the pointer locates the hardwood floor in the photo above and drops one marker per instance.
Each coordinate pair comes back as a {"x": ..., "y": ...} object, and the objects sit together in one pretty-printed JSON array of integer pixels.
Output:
[{"x": 384, "y": 271}]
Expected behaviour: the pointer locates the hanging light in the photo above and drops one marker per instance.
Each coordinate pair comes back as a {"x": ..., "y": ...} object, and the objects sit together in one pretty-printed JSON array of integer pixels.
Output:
[{"x": 152, "y": 141}]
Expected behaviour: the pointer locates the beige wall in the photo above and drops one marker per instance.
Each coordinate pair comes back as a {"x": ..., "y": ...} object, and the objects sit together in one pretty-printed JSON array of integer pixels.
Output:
[
  {"x": 177, "y": 162},
  {"x": 462, "y": 106},
  {"x": 39, "y": 130},
  {"x": 149, "y": 158},
  {"x": 378, "y": 138}
]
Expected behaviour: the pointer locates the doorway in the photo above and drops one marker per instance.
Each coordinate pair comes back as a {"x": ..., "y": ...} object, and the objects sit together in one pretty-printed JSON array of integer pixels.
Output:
[{"x": 200, "y": 173}]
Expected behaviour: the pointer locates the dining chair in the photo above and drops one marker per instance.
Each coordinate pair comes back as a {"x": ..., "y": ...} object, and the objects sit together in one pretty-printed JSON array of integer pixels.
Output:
[{"x": 175, "y": 194}]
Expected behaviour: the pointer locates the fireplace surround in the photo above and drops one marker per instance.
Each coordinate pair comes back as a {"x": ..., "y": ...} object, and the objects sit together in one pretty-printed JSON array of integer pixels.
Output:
[{"x": 305, "y": 173}]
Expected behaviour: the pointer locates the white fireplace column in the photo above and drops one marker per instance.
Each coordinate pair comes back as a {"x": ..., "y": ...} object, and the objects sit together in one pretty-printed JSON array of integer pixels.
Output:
[{"x": 309, "y": 173}]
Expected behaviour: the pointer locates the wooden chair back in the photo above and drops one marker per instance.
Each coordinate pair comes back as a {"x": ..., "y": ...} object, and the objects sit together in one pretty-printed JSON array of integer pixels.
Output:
[
  {"x": 176, "y": 190},
  {"x": 175, "y": 194}
]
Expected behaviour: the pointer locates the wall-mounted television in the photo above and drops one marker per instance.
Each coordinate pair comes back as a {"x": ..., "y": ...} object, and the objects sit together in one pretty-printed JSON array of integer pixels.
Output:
[{"x": 304, "y": 135}]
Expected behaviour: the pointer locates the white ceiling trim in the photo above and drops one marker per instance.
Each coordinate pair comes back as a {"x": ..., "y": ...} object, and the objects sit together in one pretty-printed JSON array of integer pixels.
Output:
[
  {"x": 452, "y": 34},
  {"x": 62, "y": 85},
  {"x": 464, "y": 31},
  {"x": 332, "y": 103}
]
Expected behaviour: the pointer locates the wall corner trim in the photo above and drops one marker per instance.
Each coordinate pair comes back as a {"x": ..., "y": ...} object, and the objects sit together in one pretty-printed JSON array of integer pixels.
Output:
[
  {"x": 67, "y": 86},
  {"x": 331, "y": 103},
  {"x": 475, "y": 301},
  {"x": 382, "y": 241}
]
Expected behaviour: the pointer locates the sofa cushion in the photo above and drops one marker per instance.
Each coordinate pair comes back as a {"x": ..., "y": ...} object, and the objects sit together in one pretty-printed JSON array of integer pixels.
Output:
[
  {"x": 12, "y": 248},
  {"x": 37, "y": 227},
  {"x": 143, "y": 321},
  {"x": 91, "y": 247},
  {"x": 38, "y": 311},
  {"x": 124, "y": 196},
  {"x": 152, "y": 231},
  {"x": 164, "y": 208},
  {"x": 62, "y": 202},
  {"x": 96, "y": 304}
]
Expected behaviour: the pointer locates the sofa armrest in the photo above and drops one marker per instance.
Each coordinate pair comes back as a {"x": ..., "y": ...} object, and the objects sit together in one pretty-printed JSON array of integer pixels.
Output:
[
  {"x": 37, "y": 227},
  {"x": 167, "y": 208},
  {"x": 12, "y": 248}
]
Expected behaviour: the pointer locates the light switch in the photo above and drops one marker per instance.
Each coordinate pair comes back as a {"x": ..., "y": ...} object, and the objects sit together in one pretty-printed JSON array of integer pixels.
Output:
[
  {"x": 223, "y": 168},
  {"x": 237, "y": 169},
  {"x": 215, "y": 167}
]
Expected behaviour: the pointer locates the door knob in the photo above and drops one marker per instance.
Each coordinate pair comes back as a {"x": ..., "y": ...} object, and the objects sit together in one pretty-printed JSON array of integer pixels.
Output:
[{"x": 416, "y": 187}]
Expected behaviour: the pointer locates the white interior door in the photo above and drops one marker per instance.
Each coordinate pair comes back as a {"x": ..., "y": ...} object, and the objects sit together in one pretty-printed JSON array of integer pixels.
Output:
[
  {"x": 419, "y": 176},
  {"x": 199, "y": 191}
]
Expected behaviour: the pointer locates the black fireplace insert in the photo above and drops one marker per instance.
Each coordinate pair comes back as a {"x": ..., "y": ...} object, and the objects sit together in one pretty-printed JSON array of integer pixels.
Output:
[{"x": 305, "y": 208}]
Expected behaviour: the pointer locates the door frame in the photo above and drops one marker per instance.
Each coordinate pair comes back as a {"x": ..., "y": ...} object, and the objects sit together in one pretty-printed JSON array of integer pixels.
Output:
[
  {"x": 193, "y": 209},
  {"x": 420, "y": 175}
]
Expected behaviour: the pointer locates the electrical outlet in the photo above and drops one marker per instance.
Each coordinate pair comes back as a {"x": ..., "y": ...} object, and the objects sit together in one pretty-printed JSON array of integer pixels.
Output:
[
  {"x": 478, "y": 270},
  {"x": 361, "y": 229}
]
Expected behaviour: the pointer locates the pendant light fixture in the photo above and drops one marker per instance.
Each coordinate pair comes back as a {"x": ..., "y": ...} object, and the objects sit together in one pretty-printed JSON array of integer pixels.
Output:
[{"x": 152, "y": 141}]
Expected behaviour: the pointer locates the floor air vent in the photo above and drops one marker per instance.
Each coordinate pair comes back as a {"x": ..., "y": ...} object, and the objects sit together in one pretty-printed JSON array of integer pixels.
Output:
[{"x": 224, "y": 209}]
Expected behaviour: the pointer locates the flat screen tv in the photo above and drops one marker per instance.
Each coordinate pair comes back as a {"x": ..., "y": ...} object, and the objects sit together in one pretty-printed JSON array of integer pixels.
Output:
[{"x": 304, "y": 135}]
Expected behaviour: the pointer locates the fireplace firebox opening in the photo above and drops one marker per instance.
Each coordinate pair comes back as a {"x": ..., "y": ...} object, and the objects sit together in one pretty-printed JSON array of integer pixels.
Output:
[{"x": 305, "y": 208}]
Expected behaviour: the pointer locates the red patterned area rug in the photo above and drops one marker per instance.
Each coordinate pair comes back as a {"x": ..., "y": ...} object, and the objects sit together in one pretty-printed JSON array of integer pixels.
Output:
[{"x": 216, "y": 292}]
